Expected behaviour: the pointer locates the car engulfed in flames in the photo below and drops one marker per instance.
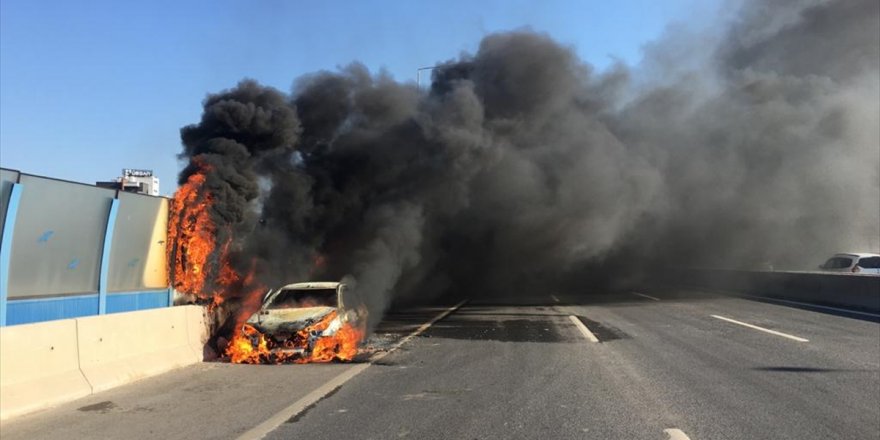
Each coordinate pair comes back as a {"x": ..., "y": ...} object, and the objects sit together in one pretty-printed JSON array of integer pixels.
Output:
[
  {"x": 298, "y": 323},
  {"x": 301, "y": 323}
]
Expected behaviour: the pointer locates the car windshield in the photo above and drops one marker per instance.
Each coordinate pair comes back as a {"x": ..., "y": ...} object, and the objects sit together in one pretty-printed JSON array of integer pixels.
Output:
[{"x": 300, "y": 298}]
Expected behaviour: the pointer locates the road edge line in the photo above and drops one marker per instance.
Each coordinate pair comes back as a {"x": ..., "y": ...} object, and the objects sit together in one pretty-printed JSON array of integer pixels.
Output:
[
  {"x": 292, "y": 410},
  {"x": 583, "y": 329},
  {"x": 270, "y": 424},
  {"x": 418, "y": 331}
]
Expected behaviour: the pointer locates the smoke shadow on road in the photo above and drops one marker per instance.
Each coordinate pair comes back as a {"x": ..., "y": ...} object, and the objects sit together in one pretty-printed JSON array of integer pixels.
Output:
[
  {"x": 502, "y": 330},
  {"x": 812, "y": 370}
]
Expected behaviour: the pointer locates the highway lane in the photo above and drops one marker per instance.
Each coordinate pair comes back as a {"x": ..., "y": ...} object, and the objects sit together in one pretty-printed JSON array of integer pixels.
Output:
[
  {"x": 665, "y": 363},
  {"x": 486, "y": 372},
  {"x": 728, "y": 381},
  {"x": 524, "y": 370}
]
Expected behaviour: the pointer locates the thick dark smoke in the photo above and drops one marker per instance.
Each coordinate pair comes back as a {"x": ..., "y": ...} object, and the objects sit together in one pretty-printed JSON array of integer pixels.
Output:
[{"x": 522, "y": 166}]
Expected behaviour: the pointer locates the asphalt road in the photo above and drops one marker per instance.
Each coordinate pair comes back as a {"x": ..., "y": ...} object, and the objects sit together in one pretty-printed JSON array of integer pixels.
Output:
[{"x": 705, "y": 366}]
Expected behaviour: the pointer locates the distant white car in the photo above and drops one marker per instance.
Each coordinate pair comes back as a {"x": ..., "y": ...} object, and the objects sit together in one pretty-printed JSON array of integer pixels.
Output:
[{"x": 853, "y": 263}]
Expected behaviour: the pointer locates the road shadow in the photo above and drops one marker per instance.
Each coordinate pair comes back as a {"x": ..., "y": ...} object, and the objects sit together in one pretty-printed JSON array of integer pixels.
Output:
[
  {"x": 624, "y": 298},
  {"x": 517, "y": 323},
  {"x": 811, "y": 370},
  {"x": 486, "y": 327}
]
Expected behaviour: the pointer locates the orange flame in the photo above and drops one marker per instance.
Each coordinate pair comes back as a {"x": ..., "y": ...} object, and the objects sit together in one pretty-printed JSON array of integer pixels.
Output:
[
  {"x": 342, "y": 346},
  {"x": 192, "y": 239},
  {"x": 192, "y": 236},
  {"x": 249, "y": 346}
]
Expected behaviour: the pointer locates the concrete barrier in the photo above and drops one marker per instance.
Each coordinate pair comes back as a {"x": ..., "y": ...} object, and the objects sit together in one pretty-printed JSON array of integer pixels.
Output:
[
  {"x": 850, "y": 291},
  {"x": 39, "y": 367},
  {"x": 123, "y": 347},
  {"x": 51, "y": 362},
  {"x": 198, "y": 329}
]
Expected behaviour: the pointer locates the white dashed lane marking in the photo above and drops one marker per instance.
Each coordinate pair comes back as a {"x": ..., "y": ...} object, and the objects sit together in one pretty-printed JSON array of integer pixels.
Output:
[
  {"x": 762, "y": 329},
  {"x": 676, "y": 434}
]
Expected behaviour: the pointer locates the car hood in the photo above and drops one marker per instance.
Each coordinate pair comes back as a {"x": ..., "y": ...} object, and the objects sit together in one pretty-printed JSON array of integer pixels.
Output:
[{"x": 288, "y": 320}]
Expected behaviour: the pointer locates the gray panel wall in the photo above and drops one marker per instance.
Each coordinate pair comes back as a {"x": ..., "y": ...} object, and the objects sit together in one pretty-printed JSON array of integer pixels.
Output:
[
  {"x": 58, "y": 238},
  {"x": 138, "y": 251},
  {"x": 7, "y": 178}
]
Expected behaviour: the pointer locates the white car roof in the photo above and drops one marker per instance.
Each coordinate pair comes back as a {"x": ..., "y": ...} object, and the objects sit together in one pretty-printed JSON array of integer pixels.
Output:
[
  {"x": 313, "y": 285},
  {"x": 856, "y": 254}
]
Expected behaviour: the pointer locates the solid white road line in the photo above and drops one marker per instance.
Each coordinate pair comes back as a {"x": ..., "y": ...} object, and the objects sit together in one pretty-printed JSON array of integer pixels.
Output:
[
  {"x": 765, "y": 330},
  {"x": 676, "y": 434},
  {"x": 584, "y": 330},
  {"x": 813, "y": 306},
  {"x": 269, "y": 425},
  {"x": 554, "y": 298},
  {"x": 646, "y": 296}
]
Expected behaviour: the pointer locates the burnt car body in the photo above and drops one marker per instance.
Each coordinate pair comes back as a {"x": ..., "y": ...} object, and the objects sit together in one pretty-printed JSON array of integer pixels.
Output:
[{"x": 293, "y": 316}]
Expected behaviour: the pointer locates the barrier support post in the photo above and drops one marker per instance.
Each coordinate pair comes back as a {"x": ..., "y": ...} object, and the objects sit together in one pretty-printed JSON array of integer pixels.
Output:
[
  {"x": 105, "y": 256},
  {"x": 6, "y": 247}
]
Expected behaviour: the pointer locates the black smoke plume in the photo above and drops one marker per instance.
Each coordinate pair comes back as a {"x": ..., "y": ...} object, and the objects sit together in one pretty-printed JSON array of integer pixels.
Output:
[{"x": 521, "y": 166}]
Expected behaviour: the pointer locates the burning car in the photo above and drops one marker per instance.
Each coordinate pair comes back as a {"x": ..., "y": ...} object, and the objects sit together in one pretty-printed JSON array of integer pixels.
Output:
[{"x": 302, "y": 322}]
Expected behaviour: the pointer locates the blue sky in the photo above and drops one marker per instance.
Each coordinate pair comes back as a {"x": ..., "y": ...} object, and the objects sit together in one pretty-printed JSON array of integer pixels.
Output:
[{"x": 88, "y": 88}]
